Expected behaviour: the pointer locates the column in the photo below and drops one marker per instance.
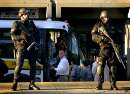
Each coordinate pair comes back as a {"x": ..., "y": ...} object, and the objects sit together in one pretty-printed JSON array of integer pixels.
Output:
[{"x": 127, "y": 45}]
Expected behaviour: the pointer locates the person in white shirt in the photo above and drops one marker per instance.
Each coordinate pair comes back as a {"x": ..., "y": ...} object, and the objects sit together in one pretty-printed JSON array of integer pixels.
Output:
[
  {"x": 62, "y": 70},
  {"x": 94, "y": 68}
]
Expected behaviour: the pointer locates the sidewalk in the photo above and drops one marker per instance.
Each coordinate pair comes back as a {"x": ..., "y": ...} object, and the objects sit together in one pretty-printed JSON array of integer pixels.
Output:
[{"x": 66, "y": 88}]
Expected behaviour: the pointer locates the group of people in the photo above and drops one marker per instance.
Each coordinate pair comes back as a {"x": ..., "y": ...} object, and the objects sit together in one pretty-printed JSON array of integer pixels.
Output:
[
  {"x": 24, "y": 33},
  {"x": 87, "y": 71}
]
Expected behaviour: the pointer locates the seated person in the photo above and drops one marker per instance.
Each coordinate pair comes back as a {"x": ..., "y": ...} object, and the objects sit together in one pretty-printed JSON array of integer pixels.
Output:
[{"x": 62, "y": 70}]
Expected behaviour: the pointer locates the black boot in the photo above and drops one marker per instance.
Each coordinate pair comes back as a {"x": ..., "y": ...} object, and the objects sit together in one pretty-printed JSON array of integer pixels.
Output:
[
  {"x": 32, "y": 86},
  {"x": 99, "y": 88},
  {"x": 14, "y": 86},
  {"x": 114, "y": 87}
]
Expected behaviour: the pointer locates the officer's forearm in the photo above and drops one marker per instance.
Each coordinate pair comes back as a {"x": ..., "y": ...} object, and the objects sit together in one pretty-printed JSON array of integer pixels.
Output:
[{"x": 96, "y": 38}]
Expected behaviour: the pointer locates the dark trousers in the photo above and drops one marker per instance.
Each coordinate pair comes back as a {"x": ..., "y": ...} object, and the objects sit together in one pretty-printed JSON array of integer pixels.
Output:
[
  {"x": 21, "y": 54},
  {"x": 62, "y": 78},
  {"x": 107, "y": 54}
]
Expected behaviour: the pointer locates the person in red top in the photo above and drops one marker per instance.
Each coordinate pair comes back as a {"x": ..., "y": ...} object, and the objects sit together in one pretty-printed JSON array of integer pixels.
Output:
[{"x": 60, "y": 45}]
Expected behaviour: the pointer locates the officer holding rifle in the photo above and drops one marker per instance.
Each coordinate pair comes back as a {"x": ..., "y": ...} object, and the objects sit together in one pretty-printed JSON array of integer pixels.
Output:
[
  {"x": 104, "y": 34},
  {"x": 25, "y": 37}
]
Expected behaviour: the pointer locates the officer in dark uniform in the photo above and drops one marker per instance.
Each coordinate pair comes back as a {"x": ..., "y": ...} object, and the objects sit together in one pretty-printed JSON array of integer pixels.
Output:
[
  {"x": 25, "y": 36},
  {"x": 106, "y": 52}
]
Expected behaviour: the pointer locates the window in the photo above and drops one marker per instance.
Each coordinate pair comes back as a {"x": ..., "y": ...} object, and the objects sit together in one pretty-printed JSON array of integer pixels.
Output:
[{"x": 6, "y": 45}]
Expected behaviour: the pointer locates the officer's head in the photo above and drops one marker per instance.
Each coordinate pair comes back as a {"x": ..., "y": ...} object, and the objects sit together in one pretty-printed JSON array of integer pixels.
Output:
[
  {"x": 23, "y": 14},
  {"x": 104, "y": 16}
]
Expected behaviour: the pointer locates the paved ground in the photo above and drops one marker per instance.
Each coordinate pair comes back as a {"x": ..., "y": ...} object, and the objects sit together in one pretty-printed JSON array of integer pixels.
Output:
[{"x": 66, "y": 88}]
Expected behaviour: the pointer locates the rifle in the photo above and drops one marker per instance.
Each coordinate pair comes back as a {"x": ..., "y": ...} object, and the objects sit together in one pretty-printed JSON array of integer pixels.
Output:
[
  {"x": 24, "y": 30},
  {"x": 102, "y": 29},
  {"x": 33, "y": 44}
]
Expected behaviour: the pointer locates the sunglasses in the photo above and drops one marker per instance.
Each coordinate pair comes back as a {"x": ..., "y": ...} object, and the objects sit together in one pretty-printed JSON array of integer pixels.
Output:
[
  {"x": 104, "y": 17},
  {"x": 24, "y": 14}
]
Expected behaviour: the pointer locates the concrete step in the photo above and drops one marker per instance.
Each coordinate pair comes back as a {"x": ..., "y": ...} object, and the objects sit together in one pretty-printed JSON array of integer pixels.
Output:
[{"x": 66, "y": 88}]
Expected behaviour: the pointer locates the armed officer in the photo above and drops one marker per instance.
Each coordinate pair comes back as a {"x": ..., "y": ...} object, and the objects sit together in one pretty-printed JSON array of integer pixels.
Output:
[
  {"x": 106, "y": 51},
  {"x": 25, "y": 37}
]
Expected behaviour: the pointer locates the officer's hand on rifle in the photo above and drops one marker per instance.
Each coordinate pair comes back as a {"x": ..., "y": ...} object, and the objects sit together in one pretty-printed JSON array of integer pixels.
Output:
[{"x": 105, "y": 39}]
